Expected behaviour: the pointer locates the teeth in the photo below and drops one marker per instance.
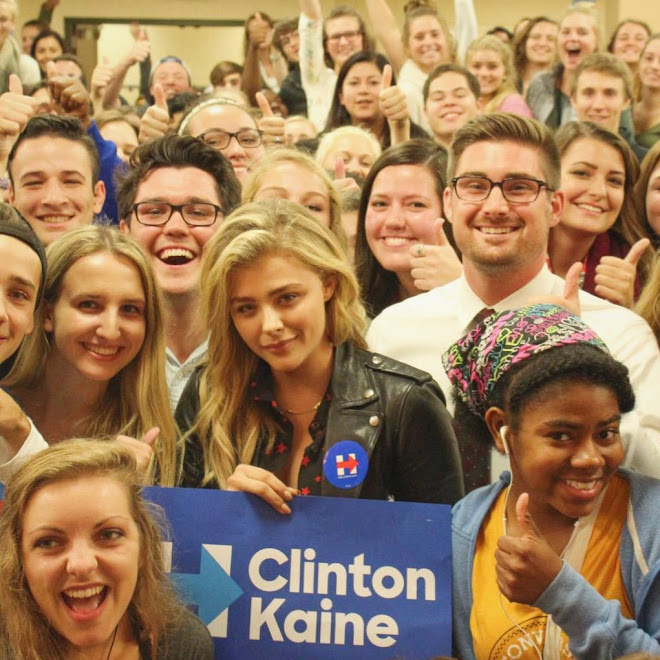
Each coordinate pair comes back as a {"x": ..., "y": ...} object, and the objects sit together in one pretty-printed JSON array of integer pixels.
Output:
[
  {"x": 581, "y": 485},
  {"x": 55, "y": 218},
  {"x": 396, "y": 241},
  {"x": 496, "y": 230},
  {"x": 83, "y": 593},
  {"x": 176, "y": 252},
  {"x": 102, "y": 350},
  {"x": 589, "y": 207}
]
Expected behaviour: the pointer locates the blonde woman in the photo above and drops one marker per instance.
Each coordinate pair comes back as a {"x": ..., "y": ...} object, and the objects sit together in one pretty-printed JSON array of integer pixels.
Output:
[
  {"x": 293, "y": 175},
  {"x": 289, "y": 380},
  {"x": 81, "y": 564},
  {"x": 95, "y": 364},
  {"x": 491, "y": 62}
]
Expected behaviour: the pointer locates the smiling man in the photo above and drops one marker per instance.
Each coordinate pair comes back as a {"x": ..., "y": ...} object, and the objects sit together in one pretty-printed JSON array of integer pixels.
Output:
[
  {"x": 54, "y": 176},
  {"x": 602, "y": 92},
  {"x": 502, "y": 200},
  {"x": 172, "y": 201},
  {"x": 451, "y": 98}
]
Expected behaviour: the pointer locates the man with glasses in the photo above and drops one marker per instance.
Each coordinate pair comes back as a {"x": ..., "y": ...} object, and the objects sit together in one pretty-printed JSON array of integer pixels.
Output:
[
  {"x": 172, "y": 202},
  {"x": 503, "y": 198},
  {"x": 324, "y": 47}
]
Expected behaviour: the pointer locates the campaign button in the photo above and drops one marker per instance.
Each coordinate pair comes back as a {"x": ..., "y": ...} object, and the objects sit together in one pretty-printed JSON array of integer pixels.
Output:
[{"x": 346, "y": 464}]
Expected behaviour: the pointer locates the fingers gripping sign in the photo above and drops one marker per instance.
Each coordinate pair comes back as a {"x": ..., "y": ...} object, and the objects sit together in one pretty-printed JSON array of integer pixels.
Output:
[
  {"x": 525, "y": 562},
  {"x": 155, "y": 121}
]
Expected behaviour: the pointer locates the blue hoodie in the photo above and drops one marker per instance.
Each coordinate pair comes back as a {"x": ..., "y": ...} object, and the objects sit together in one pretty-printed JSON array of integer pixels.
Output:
[{"x": 595, "y": 626}]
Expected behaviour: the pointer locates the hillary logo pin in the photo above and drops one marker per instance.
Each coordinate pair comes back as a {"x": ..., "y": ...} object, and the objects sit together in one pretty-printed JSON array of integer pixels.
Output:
[{"x": 346, "y": 464}]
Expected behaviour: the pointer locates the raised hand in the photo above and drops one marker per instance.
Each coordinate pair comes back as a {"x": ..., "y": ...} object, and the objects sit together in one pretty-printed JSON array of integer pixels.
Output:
[
  {"x": 525, "y": 563},
  {"x": 142, "y": 448},
  {"x": 571, "y": 296},
  {"x": 256, "y": 480},
  {"x": 436, "y": 264},
  {"x": 340, "y": 182},
  {"x": 259, "y": 33},
  {"x": 101, "y": 76},
  {"x": 69, "y": 96},
  {"x": 15, "y": 112},
  {"x": 155, "y": 121},
  {"x": 615, "y": 277},
  {"x": 394, "y": 106},
  {"x": 270, "y": 124}
]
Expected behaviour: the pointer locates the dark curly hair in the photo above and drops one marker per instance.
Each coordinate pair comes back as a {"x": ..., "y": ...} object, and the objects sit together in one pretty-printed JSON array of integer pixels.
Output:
[{"x": 572, "y": 363}]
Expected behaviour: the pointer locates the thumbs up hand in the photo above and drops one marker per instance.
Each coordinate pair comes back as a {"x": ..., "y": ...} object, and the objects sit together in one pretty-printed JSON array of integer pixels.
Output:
[
  {"x": 270, "y": 124},
  {"x": 101, "y": 76},
  {"x": 142, "y": 448},
  {"x": 436, "y": 264},
  {"x": 392, "y": 100},
  {"x": 15, "y": 112},
  {"x": 525, "y": 562},
  {"x": 341, "y": 183},
  {"x": 571, "y": 298},
  {"x": 615, "y": 277},
  {"x": 155, "y": 121}
]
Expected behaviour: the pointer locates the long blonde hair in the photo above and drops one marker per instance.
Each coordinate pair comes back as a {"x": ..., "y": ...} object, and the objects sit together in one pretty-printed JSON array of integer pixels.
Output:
[
  {"x": 648, "y": 306},
  {"x": 229, "y": 426},
  {"x": 503, "y": 51},
  {"x": 26, "y": 634},
  {"x": 136, "y": 399}
]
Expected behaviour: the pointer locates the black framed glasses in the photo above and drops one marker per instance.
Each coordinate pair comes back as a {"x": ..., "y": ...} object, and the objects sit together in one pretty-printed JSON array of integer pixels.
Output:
[
  {"x": 349, "y": 35},
  {"x": 194, "y": 214},
  {"x": 219, "y": 139},
  {"x": 516, "y": 189}
]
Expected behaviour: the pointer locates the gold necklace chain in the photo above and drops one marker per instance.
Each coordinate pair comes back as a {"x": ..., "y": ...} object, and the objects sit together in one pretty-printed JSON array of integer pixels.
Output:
[{"x": 303, "y": 412}]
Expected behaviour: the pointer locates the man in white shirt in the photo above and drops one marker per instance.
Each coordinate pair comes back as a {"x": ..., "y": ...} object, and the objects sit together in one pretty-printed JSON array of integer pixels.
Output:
[
  {"x": 503, "y": 198},
  {"x": 172, "y": 202}
]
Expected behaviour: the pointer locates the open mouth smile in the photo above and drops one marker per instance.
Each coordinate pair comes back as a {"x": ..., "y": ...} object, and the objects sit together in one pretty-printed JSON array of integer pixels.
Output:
[{"x": 176, "y": 256}]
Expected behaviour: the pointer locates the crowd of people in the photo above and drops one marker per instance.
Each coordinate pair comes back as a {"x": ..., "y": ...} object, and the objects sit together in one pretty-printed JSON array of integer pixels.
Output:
[{"x": 436, "y": 244}]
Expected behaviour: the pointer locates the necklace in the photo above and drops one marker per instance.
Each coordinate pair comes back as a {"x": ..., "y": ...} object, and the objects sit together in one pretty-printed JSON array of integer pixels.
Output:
[
  {"x": 114, "y": 636},
  {"x": 303, "y": 412}
]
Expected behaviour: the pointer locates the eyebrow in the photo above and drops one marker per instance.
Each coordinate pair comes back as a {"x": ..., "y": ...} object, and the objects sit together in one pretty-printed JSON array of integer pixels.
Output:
[
  {"x": 562, "y": 423},
  {"x": 61, "y": 173},
  {"x": 306, "y": 193},
  {"x": 96, "y": 296},
  {"x": 193, "y": 199},
  {"x": 22, "y": 281},
  {"x": 508, "y": 175},
  {"x": 593, "y": 167},
  {"x": 52, "y": 528},
  {"x": 272, "y": 292}
]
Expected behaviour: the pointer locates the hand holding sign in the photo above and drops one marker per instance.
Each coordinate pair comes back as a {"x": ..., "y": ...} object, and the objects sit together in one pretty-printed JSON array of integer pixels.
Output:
[
  {"x": 256, "y": 480},
  {"x": 270, "y": 125},
  {"x": 434, "y": 265},
  {"x": 155, "y": 121},
  {"x": 526, "y": 564},
  {"x": 615, "y": 277}
]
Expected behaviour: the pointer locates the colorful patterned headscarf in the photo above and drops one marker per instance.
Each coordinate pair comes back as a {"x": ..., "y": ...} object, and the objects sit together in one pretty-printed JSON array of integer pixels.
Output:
[{"x": 476, "y": 362}]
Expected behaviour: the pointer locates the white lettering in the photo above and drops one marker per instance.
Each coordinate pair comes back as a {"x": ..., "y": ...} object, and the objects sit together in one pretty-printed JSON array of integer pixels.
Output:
[
  {"x": 412, "y": 576},
  {"x": 308, "y": 634},
  {"x": 388, "y": 572},
  {"x": 324, "y": 572},
  {"x": 308, "y": 571},
  {"x": 267, "y": 616},
  {"x": 341, "y": 619},
  {"x": 255, "y": 564},
  {"x": 380, "y": 625},
  {"x": 358, "y": 570}
]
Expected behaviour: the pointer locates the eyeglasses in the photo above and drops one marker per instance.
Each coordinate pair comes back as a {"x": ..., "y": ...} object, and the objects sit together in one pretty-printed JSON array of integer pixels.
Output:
[
  {"x": 348, "y": 35},
  {"x": 516, "y": 190},
  {"x": 194, "y": 214},
  {"x": 219, "y": 139}
]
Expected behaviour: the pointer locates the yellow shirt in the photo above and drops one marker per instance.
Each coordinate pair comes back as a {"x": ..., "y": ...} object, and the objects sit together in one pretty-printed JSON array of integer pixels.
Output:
[{"x": 496, "y": 635}]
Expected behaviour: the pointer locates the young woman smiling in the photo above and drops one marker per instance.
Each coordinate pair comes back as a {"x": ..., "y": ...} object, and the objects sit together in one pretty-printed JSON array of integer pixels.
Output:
[
  {"x": 646, "y": 112},
  {"x": 95, "y": 364},
  {"x": 289, "y": 380},
  {"x": 81, "y": 564},
  {"x": 549, "y": 93},
  {"x": 563, "y": 549},
  {"x": 534, "y": 50},
  {"x": 599, "y": 225},
  {"x": 401, "y": 246},
  {"x": 366, "y": 95},
  {"x": 491, "y": 62},
  {"x": 628, "y": 40}
]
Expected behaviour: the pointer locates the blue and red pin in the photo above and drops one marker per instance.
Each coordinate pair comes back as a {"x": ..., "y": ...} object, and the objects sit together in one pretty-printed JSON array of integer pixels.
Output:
[{"x": 346, "y": 464}]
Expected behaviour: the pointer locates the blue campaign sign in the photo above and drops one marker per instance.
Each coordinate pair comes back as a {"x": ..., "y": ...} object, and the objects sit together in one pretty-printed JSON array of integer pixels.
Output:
[{"x": 338, "y": 578}]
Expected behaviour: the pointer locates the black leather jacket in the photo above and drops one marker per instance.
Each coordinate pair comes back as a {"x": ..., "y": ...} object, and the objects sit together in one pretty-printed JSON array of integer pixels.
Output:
[{"x": 394, "y": 411}]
